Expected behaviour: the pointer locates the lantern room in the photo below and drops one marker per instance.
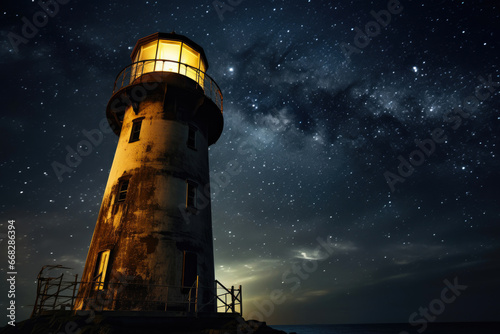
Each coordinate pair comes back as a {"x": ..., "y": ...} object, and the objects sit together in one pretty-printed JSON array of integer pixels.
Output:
[
  {"x": 164, "y": 60},
  {"x": 169, "y": 52}
]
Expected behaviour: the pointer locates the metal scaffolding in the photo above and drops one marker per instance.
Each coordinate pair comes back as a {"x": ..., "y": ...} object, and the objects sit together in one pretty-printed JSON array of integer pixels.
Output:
[{"x": 54, "y": 293}]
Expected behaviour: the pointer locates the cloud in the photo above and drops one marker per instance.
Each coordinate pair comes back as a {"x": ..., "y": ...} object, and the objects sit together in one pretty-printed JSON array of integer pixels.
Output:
[
  {"x": 313, "y": 255},
  {"x": 307, "y": 295},
  {"x": 72, "y": 261},
  {"x": 247, "y": 271},
  {"x": 280, "y": 121},
  {"x": 410, "y": 253},
  {"x": 318, "y": 253},
  {"x": 396, "y": 277}
]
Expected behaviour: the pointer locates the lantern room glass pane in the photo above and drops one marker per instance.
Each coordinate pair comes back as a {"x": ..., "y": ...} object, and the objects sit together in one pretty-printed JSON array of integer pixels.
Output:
[
  {"x": 148, "y": 52},
  {"x": 191, "y": 58},
  {"x": 138, "y": 69},
  {"x": 201, "y": 76},
  {"x": 169, "y": 53}
]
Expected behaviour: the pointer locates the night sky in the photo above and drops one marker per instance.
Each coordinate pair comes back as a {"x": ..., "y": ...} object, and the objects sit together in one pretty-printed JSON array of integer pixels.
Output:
[{"x": 369, "y": 166}]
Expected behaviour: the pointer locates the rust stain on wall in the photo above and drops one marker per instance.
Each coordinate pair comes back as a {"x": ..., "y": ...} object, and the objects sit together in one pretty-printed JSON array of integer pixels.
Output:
[{"x": 151, "y": 243}]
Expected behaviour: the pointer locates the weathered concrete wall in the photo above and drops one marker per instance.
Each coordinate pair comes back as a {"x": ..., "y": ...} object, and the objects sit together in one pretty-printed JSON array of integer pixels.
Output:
[{"x": 149, "y": 231}]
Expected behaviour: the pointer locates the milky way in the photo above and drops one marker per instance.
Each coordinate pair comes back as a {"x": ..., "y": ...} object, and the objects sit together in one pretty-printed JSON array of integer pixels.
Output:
[{"x": 364, "y": 136}]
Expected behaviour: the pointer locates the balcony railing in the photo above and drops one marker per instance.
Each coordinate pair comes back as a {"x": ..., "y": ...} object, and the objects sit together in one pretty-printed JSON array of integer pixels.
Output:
[{"x": 133, "y": 74}]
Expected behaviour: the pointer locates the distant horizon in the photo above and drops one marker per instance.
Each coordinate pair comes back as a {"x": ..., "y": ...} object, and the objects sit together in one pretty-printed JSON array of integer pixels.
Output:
[{"x": 382, "y": 323}]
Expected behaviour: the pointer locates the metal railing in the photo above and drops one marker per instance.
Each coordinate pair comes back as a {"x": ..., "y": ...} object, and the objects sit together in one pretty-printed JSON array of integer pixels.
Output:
[
  {"x": 54, "y": 294},
  {"x": 130, "y": 296},
  {"x": 133, "y": 74},
  {"x": 230, "y": 300}
]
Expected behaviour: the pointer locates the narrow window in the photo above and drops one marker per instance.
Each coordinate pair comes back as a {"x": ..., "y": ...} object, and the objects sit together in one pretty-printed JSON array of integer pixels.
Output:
[
  {"x": 191, "y": 195},
  {"x": 189, "y": 269},
  {"x": 136, "y": 130},
  {"x": 191, "y": 142},
  {"x": 122, "y": 190},
  {"x": 101, "y": 269}
]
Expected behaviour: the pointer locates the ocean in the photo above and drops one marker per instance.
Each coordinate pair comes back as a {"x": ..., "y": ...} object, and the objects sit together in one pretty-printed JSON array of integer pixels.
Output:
[{"x": 433, "y": 328}]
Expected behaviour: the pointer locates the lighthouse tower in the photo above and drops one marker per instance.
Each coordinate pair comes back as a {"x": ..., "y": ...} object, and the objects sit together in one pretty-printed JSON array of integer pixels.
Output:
[{"x": 154, "y": 226}]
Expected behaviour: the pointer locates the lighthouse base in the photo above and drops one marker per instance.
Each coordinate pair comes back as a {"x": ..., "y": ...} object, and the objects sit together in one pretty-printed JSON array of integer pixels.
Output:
[{"x": 117, "y": 322}]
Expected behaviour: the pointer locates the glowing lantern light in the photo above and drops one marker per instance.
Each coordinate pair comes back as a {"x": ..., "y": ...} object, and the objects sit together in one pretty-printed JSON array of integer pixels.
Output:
[{"x": 162, "y": 52}]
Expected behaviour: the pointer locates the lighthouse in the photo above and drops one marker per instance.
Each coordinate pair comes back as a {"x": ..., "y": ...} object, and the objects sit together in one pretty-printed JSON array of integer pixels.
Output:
[{"x": 155, "y": 224}]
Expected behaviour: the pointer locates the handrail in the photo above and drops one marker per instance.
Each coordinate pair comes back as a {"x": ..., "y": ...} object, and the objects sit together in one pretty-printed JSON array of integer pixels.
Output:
[
  {"x": 234, "y": 294},
  {"x": 132, "y": 74},
  {"x": 52, "y": 295}
]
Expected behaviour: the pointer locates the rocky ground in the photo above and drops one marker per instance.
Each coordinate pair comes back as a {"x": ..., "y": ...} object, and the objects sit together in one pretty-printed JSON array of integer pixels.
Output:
[{"x": 65, "y": 322}]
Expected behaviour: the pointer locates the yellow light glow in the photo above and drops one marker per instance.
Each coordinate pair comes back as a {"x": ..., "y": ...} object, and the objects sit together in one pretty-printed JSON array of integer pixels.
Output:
[
  {"x": 191, "y": 58},
  {"x": 148, "y": 51},
  {"x": 101, "y": 270},
  {"x": 201, "y": 78},
  {"x": 169, "y": 56},
  {"x": 169, "y": 50}
]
